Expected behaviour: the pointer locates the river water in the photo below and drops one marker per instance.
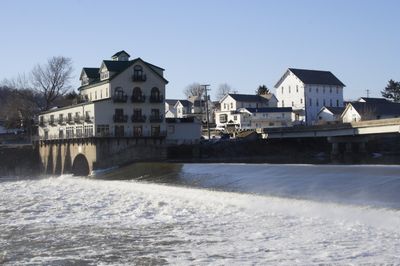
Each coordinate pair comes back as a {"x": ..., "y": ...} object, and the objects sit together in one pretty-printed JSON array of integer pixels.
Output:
[{"x": 204, "y": 214}]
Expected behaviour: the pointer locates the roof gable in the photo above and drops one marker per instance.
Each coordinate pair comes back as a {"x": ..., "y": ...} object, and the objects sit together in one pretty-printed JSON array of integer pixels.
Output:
[{"x": 91, "y": 72}]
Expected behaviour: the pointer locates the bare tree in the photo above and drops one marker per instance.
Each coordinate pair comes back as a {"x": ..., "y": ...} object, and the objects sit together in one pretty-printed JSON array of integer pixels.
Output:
[
  {"x": 223, "y": 89},
  {"x": 52, "y": 80},
  {"x": 194, "y": 89}
]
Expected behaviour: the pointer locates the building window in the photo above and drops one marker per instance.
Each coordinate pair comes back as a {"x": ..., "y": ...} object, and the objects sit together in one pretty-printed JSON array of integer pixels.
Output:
[
  {"x": 310, "y": 104},
  {"x": 283, "y": 115},
  {"x": 316, "y": 89},
  {"x": 337, "y": 103},
  {"x": 223, "y": 118},
  {"x": 137, "y": 95},
  {"x": 292, "y": 103},
  {"x": 235, "y": 117},
  {"x": 69, "y": 132},
  {"x": 138, "y": 73},
  {"x": 155, "y": 131},
  {"x": 79, "y": 131},
  {"x": 155, "y": 95},
  {"x": 224, "y": 106},
  {"x": 137, "y": 131},
  {"x": 297, "y": 88},
  {"x": 330, "y": 102},
  {"x": 289, "y": 89},
  {"x": 301, "y": 100},
  {"x": 283, "y": 103},
  {"x": 317, "y": 102},
  {"x": 337, "y": 90},
  {"x": 231, "y": 105},
  {"x": 119, "y": 131},
  {"x": 309, "y": 89},
  {"x": 104, "y": 75},
  {"x": 103, "y": 131},
  {"x": 330, "y": 89},
  {"x": 324, "y": 102},
  {"x": 95, "y": 95},
  {"x": 323, "y": 89},
  {"x": 282, "y": 89},
  {"x": 88, "y": 131}
]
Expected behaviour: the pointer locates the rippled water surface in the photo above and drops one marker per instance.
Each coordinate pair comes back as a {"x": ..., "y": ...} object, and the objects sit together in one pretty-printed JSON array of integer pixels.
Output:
[{"x": 202, "y": 214}]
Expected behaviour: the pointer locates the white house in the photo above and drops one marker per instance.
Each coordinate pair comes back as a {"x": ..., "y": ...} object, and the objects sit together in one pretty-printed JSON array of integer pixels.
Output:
[
  {"x": 306, "y": 91},
  {"x": 120, "y": 98},
  {"x": 362, "y": 111},
  {"x": 170, "y": 110},
  {"x": 183, "y": 108},
  {"x": 328, "y": 115},
  {"x": 239, "y": 110}
]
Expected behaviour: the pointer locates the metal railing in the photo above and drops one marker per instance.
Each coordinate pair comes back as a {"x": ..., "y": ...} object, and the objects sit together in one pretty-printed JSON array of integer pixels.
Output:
[
  {"x": 120, "y": 98},
  {"x": 156, "y": 98},
  {"x": 139, "y": 77},
  {"x": 120, "y": 118},
  {"x": 83, "y": 135},
  {"x": 138, "y": 99},
  {"x": 138, "y": 118},
  {"x": 156, "y": 118}
]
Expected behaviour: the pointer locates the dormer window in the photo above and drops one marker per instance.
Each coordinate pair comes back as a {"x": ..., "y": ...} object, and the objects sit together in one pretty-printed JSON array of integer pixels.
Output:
[
  {"x": 104, "y": 75},
  {"x": 85, "y": 81}
]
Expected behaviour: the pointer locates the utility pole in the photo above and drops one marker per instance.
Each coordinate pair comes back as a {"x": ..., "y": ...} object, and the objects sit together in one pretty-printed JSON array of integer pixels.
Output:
[
  {"x": 208, "y": 119},
  {"x": 367, "y": 93}
]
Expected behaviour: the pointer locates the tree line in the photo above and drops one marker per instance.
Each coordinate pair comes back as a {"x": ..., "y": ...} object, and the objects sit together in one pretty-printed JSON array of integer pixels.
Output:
[{"x": 47, "y": 85}]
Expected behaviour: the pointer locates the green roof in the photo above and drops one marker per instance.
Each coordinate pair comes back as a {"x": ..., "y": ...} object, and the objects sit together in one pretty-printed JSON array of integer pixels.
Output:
[
  {"x": 118, "y": 67},
  {"x": 92, "y": 72}
]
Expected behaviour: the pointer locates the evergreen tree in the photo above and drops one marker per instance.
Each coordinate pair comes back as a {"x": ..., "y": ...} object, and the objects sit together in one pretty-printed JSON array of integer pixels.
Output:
[
  {"x": 262, "y": 89},
  {"x": 392, "y": 91}
]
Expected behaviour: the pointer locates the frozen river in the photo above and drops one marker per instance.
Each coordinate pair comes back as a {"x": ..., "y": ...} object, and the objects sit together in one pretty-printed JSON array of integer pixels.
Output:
[{"x": 202, "y": 214}]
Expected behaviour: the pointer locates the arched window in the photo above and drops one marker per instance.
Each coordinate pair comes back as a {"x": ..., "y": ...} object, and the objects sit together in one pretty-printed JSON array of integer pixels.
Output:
[
  {"x": 119, "y": 92},
  {"x": 138, "y": 73},
  {"x": 155, "y": 92},
  {"x": 119, "y": 95},
  {"x": 137, "y": 95},
  {"x": 155, "y": 95}
]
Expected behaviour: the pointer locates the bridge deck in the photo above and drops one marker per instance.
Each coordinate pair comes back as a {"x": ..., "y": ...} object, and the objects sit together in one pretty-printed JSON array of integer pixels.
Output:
[{"x": 382, "y": 126}]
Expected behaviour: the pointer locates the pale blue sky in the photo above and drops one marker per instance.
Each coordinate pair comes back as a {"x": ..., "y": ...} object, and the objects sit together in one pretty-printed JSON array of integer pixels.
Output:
[{"x": 242, "y": 43}]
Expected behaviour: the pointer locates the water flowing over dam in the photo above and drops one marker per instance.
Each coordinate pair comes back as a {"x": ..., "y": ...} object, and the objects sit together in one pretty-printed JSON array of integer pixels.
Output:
[{"x": 202, "y": 214}]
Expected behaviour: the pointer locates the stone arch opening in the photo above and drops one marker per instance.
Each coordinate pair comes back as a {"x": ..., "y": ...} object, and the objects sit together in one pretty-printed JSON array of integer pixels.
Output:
[{"x": 80, "y": 166}]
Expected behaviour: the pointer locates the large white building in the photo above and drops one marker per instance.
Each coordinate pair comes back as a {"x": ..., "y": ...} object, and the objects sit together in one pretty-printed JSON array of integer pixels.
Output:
[
  {"x": 307, "y": 91},
  {"x": 120, "y": 98}
]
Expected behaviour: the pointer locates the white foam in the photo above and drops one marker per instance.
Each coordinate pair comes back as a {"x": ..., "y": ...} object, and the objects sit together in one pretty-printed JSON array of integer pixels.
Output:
[{"x": 69, "y": 217}]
